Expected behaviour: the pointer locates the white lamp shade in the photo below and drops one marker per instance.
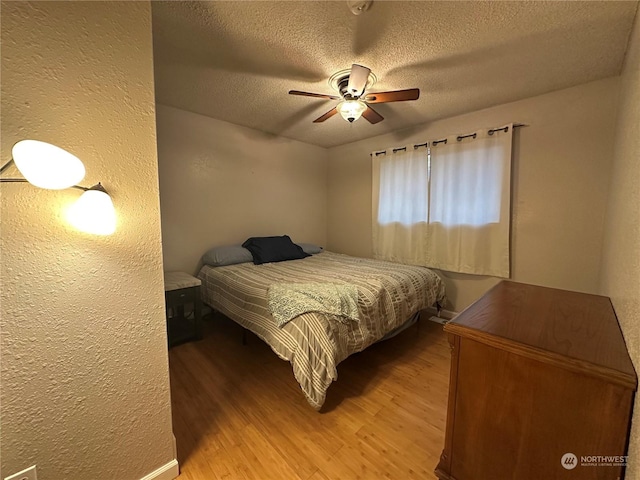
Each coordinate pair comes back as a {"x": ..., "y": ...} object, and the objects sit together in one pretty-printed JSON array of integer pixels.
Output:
[
  {"x": 47, "y": 166},
  {"x": 351, "y": 110},
  {"x": 93, "y": 213}
]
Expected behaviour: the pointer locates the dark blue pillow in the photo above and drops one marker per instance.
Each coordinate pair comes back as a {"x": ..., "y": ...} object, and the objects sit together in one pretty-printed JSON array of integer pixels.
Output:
[{"x": 273, "y": 249}]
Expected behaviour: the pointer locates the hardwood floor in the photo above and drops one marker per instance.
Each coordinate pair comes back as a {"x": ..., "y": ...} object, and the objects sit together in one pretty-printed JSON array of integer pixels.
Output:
[{"x": 238, "y": 412}]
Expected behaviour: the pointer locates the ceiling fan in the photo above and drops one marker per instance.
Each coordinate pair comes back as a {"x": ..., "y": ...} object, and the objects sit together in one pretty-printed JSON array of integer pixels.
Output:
[{"x": 354, "y": 102}]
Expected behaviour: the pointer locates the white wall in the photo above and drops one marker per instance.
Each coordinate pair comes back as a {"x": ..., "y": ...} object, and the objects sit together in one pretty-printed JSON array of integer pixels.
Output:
[
  {"x": 221, "y": 184},
  {"x": 621, "y": 257},
  {"x": 561, "y": 169},
  {"x": 84, "y": 387}
]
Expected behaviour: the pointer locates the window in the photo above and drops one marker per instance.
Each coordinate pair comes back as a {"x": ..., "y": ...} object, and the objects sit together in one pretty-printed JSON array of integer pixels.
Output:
[
  {"x": 466, "y": 189},
  {"x": 446, "y": 206},
  {"x": 404, "y": 188}
]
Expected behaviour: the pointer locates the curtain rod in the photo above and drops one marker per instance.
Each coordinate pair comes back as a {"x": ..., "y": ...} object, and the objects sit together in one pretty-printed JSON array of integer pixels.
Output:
[
  {"x": 460, "y": 137},
  {"x": 444, "y": 140}
]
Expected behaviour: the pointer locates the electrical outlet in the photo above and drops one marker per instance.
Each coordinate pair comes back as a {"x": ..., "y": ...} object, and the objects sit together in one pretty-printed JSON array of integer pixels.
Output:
[{"x": 26, "y": 474}]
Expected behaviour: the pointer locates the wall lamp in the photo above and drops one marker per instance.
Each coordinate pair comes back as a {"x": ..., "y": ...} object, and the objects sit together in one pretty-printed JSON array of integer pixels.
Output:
[{"x": 50, "y": 167}]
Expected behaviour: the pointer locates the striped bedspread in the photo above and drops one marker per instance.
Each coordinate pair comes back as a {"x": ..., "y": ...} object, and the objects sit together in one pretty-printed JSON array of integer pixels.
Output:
[{"x": 315, "y": 343}]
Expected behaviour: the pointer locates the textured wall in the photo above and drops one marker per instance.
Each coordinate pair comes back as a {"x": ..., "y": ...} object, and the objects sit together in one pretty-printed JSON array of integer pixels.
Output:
[
  {"x": 85, "y": 388},
  {"x": 221, "y": 183},
  {"x": 621, "y": 258},
  {"x": 560, "y": 182}
]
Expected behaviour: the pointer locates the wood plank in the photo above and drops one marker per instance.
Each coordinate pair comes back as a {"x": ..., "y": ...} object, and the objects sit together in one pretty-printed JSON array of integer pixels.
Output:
[{"x": 238, "y": 412}]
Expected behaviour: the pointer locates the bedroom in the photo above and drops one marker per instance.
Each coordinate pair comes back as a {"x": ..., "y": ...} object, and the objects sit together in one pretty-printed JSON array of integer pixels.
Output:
[{"x": 82, "y": 333}]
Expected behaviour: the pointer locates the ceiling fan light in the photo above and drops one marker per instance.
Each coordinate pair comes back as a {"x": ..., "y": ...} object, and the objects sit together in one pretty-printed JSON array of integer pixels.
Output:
[{"x": 351, "y": 110}]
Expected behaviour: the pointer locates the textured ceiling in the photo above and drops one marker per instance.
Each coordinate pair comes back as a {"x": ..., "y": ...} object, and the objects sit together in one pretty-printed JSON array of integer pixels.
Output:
[{"x": 236, "y": 61}]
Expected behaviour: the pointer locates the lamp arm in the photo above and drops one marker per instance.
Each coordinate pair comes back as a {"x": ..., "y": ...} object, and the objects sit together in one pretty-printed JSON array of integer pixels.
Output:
[
  {"x": 13, "y": 180},
  {"x": 97, "y": 186},
  {"x": 24, "y": 180},
  {"x": 6, "y": 165}
]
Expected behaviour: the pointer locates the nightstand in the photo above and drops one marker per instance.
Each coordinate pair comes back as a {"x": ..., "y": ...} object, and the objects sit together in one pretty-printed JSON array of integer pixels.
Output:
[{"x": 182, "y": 289}]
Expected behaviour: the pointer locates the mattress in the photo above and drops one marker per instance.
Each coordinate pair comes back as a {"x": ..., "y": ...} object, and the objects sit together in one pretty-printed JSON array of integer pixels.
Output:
[{"x": 315, "y": 343}]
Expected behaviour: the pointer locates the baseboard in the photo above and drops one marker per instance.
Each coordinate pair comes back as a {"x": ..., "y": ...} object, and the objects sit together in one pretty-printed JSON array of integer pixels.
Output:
[
  {"x": 168, "y": 471},
  {"x": 175, "y": 447},
  {"x": 443, "y": 317},
  {"x": 439, "y": 320}
]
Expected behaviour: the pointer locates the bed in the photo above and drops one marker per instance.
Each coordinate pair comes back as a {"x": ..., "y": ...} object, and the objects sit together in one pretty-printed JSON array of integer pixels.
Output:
[{"x": 388, "y": 295}]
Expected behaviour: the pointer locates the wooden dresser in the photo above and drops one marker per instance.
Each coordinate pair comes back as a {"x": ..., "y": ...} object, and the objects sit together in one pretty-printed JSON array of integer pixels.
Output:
[{"x": 541, "y": 386}]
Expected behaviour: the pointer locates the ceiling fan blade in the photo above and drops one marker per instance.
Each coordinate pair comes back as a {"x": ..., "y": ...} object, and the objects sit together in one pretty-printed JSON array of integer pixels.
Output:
[
  {"x": 371, "y": 115},
  {"x": 329, "y": 114},
  {"x": 316, "y": 95},
  {"x": 393, "y": 96},
  {"x": 357, "y": 80}
]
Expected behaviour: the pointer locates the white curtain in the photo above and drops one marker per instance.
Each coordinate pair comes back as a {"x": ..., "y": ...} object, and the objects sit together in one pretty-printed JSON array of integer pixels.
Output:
[
  {"x": 470, "y": 204},
  {"x": 400, "y": 204},
  {"x": 448, "y": 210}
]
